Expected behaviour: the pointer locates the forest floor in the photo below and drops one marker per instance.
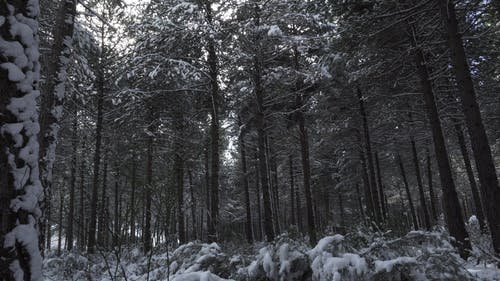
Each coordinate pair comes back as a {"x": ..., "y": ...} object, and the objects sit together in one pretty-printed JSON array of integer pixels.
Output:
[{"x": 355, "y": 256}]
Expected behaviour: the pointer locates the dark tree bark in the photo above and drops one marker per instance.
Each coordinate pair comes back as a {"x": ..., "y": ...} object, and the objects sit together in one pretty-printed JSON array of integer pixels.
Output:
[
  {"x": 132, "y": 199},
  {"x": 146, "y": 230},
  {"x": 97, "y": 153},
  {"x": 423, "y": 204},
  {"x": 179, "y": 176},
  {"x": 102, "y": 224},
  {"x": 341, "y": 208},
  {"x": 82, "y": 211},
  {"x": 369, "y": 160},
  {"x": 72, "y": 185},
  {"x": 257, "y": 190},
  {"x": 60, "y": 222},
  {"x": 306, "y": 169},
  {"x": 470, "y": 175},
  {"x": 479, "y": 141},
  {"x": 431, "y": 188},
  {"x": 366, "y": 186},
  {"x": 248, "y": 221},
  {"x": 116, "y": 214},
  {"x": 407, "y": 189},
  {"x": 453, "y": 214},
  {"x": 260, "y": 122},
  {"x": 360, "y": 204},
  {"x": 292, "y": 192},
  {"x": 193, "y": 203},
  {"x": 380, "y": 188},
  {"x": 214, "y": 128}
]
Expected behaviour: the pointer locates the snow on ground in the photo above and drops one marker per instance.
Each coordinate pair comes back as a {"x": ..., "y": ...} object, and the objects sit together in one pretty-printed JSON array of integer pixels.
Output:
[{"x": 417, "y": 256}]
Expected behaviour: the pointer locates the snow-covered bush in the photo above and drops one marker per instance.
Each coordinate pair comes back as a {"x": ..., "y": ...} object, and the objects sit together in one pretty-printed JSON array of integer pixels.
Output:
[
  {"x": 282, "y": 260},
  {"x": 194, "y": 256}
]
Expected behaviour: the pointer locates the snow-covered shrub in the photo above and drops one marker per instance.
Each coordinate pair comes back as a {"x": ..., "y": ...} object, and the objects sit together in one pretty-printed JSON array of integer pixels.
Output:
[
  {"x": 330, "y": 262},
  {"x": 417, "y": 256},
  {"x": 282, "y": 260},
  {"x": 194, "y": 256}
]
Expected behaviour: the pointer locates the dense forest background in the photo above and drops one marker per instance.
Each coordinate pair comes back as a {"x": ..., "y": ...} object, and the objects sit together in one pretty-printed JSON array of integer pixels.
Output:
[{"x": 164, "y": 122}]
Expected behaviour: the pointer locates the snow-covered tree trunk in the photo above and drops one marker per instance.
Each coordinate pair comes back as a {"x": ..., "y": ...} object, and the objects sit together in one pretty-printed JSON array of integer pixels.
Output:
[
  {"x": 20, "y": 186},
  {"x": 53, "y": 98}
]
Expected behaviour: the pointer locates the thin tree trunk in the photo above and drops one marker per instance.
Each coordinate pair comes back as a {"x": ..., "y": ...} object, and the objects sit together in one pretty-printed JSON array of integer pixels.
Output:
[
  {"x": 360, "y": 204},
  {"x": 470, "y": 175},
  {"x": 380, "y": 187},
  {"x": 431, "y": 189},
  {"x": 292, "y": 192},
  {"x": 193, "y": 203},
  {"x": 451, "y": 204},
  {"x": 97, "y": 154},
  {"x": 72, "y": 185},
  {"x": 407, "y": 189},
  {"x": 369, "y": 160},
  {"x": 132, "y": 199},
  {"x": 116, "y": 224},
  {"x": 179, "y": 175},
  {"x": 423, "y": 205},
  {"x": 341, "y": 207},
  {"x": 60, "y": 223},
  {"x": 366, "y": 184},
  {"x": 147, "y": 196},
  {"x": 248, "y": 221},
  {"x": 257, "y": 189},
  {"x": 81, "y": 220},
  {"x": 102, "y": 224}
]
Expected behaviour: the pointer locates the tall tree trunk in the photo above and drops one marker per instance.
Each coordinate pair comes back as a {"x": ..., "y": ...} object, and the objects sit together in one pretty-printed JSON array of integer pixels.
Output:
[
  {"x": 179, "y": 181},
  {"x": 453, "y": 215},
  {"x": 272, "y": 179},
  {"x": 72, "y": 185},
  {"x": 60, "y": 222},
  {"x": 360, "y": 204},
  {"x": 97, "y": 154},
  {"x": 248, "y": 221},
  {"x": 431, "y": 188},
  {"x": 116, "y": 213},
  {"x": 207, "y": 184},
  {"x": 380, "y": 187},
  {"x": 479, "y": 141},
  {"x": 369, "y": 159},
  {"x": 132, "y": 199},
  {"x": 341, "y": 208},
  {"x": 366, "y": 184},
  {"x": 470, "y": 175},
  {"x": 306, "y": 169},
  {"x": 147, "y": 196},
  {"x": 193, "y": 203},
  {"x": 82, "y": 211},
  {"x": 20, "y": 192},
  {"x": 257, "y": 190},
  {"x": 214, "y": 128},
  {"x": 53, "y": 97},
  {"x": 292, "y": 192},
  {"x": 423, "y": 204},
  {"x": 260, "y": 121},
  {"x": 407, "y": 189},
  {"x": 102, "y": 224}
]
